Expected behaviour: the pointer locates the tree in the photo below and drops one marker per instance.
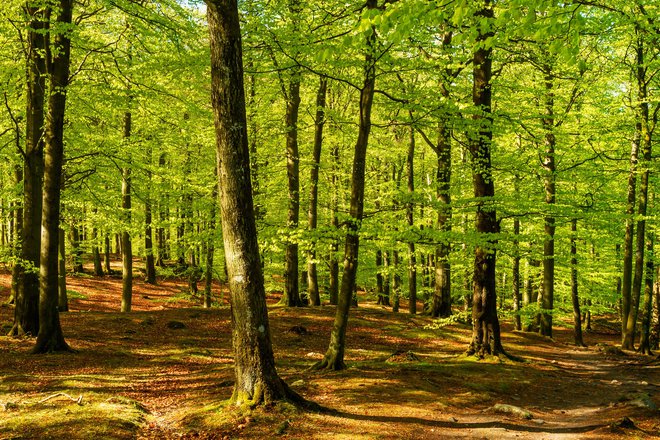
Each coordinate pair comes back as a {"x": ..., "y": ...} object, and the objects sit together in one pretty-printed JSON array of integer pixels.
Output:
[
  {"x": 485, "y": 323},
  {"x": 257, "y": 381},
  {"x": 50, "y": 337},
  {"x": 334, "y": 356}
]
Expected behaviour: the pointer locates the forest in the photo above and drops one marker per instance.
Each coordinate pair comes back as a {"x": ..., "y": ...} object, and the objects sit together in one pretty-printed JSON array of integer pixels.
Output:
[{"x": 375, "y": 219}]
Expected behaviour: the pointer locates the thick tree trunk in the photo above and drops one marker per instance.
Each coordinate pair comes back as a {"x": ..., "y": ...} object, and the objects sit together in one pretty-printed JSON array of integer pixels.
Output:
[
  {"x": 577, "y": 316},
  {"x": 26, "y": 312},
  {"x": 645, "y": 337},
  {"x": 312, "y": 215},
  {"x": 334, "y": 357},
  {"x": 485, "y": 323},
  {"x": 256, "y": 377},
  {"x": 50, "y": 337},
  {"x": 412, "y": 270},
  {"x": 63, "y": 299},
  {"x": 126, "y": 245},
  {"x": 549, "y": 182}
]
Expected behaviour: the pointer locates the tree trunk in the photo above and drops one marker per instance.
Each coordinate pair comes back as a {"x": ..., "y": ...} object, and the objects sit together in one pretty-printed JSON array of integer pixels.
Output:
[
  {"x": 76, "y": 252},
  {"x": 26, "y": 312},
  {"x": 516, "y": 275},
  {"x": 63, "y": 299},
  {"x": 256, "y": 377},
  {"x": 577, "y": 316},
  {"x": 312, "y": 216},
  {"x": 485, "y": 324},
  {"x": 163, "y": 213},
  {"x": 396, "y": 283},
  {"x": 16, "y": 238},
  {"x": 126, "y": 245},
  {"x": 412, "y": 270},
  {"x": 645, "y": 337},
  {"x": 50, "y": 337},
  {"x": 642, "y": 201},
  {"x": 655, "y": 331},
  {"x": 334, "y": 246},
  {"x": 106, "y": 254},
  {"x": 379, "y": 277},
  {"x": 96, "y": 254},
  {"x": 549, "y": 182},
  {"x": 442, "y": 289},
  {"x": 334, "y": 357},
  {"x": 150, "y": 265},
  {"x": 210, "y": 247}
]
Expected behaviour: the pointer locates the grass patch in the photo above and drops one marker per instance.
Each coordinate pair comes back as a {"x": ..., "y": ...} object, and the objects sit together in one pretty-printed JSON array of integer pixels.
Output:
[
  {"x": 98, "y": 417},
  {"x": 72, "y": 294}
]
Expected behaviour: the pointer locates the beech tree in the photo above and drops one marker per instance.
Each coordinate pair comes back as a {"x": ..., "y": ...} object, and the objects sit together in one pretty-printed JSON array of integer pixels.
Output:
[{"x": 257, "y": 381}]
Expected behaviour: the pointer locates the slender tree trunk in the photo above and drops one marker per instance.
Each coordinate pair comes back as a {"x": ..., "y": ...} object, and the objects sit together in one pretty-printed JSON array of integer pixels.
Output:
[
  {"x": 655, "y": 331},
  {"x": 516, "y": 275},
  {"x": 26, "y": 312},
  {"x": 96, "y": 254},
  {"x": 412, "y": 270},
  {"x": 442, "y": 289},
  {"x": 17, "y": 228},
  {"x": 312, "y": 216},
  {"x": 334, "y": 246},
  {"x": 642, "y": 126},
  {"x": 63, "y": 299},
  {"x": 163, "y": 213},
  {"x": 379, "y": 277},
  {"x": 485, "y": 323},
  {"x": 126, "y": 245},
  {"x": 50, "y": 337},
  {"x": 645, "y": 337},
  {"x": 396, "y": 282},
  {"x": 577, "y": 316},
  {"x": 549, "y": 182},
  {"x": 76, "y": 252},
  {"x": 106, "y": 254},
  {"x": 334, "y": 357},
  {"x": 150, "y": 265},
  {"x": 257, "y": 380}
]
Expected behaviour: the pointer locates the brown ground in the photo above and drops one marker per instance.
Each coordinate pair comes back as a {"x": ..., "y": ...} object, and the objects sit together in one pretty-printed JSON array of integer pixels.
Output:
[{"x": 140, "y": 379}]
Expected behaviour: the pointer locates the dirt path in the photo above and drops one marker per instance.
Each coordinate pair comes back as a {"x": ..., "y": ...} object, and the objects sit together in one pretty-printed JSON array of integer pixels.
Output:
[{"x": 140, "y": 378}]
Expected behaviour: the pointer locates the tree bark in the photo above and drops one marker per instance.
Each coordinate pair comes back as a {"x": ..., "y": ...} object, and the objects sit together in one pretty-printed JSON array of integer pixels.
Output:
[
  {"x": 485, "y": 323},
  {"x": 150, "y": 265},
  {"x": 126, "y": 245},
  {"x": 291, "y": 296},
  {"x": 312, "y": 215},
  {"x": 50, "y": 337},
  {"x": 106, "y": 254},
  {"x": 412, "y": 270},
  {"x": 645, "y": 337},
  {"x": 76, "y": 252},
  {"x": 549, "y": 183},
  {"x": 577, "y": 316},
  {"x": 63, "y": 299},
  {"x": 629, "y": 330},
  {"x": 26, "y": 312},
  {"x": 516, "y": 275},
  {"x": 334, "y": 356},
  {"x": 257, "y": 380},
  {"x": 334, "y": 246},
  {"x": 442, "y": 289}
]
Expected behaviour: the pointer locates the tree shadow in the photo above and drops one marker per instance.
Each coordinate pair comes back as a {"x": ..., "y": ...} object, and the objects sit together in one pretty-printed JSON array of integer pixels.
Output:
[{"x": 469, "y": 425}]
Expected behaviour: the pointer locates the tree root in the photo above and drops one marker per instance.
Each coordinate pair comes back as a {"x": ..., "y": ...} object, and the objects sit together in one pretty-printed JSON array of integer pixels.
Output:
[{"x": 78, "y": 400}]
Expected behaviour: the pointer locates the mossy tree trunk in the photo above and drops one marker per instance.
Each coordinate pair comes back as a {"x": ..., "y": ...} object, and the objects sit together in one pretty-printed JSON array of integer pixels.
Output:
[{"x": 257, "y": 380}]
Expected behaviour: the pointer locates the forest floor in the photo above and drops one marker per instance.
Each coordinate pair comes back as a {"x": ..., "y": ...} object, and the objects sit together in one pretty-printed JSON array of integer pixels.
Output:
[{"x": 138, "y": 376}]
